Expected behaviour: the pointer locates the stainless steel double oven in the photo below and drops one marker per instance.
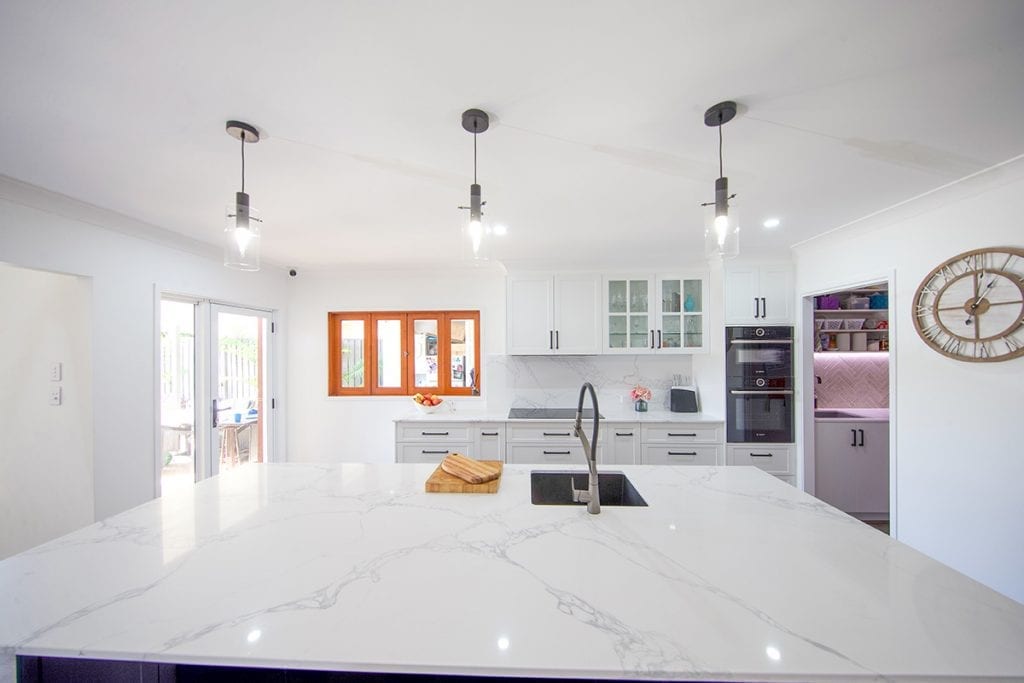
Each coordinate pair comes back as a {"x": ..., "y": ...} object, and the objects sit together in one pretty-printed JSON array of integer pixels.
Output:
[{"x": 759, "y": 384}]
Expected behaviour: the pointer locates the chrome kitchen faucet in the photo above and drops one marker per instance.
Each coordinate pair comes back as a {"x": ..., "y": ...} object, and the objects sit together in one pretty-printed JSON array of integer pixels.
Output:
[{"x": 591, "y": 497}]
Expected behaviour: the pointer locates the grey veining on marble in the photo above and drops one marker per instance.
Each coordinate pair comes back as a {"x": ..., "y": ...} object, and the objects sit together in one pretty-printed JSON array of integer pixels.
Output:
[
  {"x": 554, "y": 381},
  {"x": 729, "y": 574}
]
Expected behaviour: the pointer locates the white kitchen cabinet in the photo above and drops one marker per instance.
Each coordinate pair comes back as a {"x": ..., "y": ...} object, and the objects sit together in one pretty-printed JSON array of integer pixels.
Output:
[
  {"x": 758, "y": 294},
  {"x": 422, "y": 441},
  {"x": 644, "y": 314},
  {"x": 681, "y": 443},
  {"x": 489, "y": 441},
  {"x": 851, "y": 466},
  {"x": 620, "y": 443},
  {"x": 553, "y": 314},
  {"x": 774, "y": 458}
]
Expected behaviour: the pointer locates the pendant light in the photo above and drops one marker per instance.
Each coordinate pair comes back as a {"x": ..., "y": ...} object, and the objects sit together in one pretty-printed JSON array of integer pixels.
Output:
[
  {"x": 242, "y": 232},
  {"x": 475, "y": 121},
  {"x": 721, "y": 228}
]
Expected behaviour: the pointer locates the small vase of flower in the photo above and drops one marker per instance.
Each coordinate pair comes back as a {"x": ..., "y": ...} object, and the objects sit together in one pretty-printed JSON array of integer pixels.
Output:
[{"x": 640, "y": 395}]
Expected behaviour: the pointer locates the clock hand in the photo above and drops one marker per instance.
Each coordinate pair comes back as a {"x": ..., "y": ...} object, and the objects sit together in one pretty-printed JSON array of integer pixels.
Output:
[{"x": 977, "y": 302}]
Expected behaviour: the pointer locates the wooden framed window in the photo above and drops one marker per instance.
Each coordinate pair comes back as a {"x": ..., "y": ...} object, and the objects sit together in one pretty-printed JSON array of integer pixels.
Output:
[{"x": 388, "y": 353}]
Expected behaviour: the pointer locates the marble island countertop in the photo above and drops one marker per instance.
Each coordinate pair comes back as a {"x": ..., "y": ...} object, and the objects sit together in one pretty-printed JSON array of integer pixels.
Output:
[{"x": 729, "y": 574}]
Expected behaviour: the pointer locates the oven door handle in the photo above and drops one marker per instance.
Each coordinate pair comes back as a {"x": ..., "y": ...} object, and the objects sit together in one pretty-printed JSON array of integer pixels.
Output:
[
  {"x": 761, "y": 341},
  {"x": 766, "y": 392}
]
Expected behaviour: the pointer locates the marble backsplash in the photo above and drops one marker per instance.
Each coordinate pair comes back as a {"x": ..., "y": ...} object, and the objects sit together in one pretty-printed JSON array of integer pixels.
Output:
[
  {"x": 554, "y": 381},
  {"x": 852, "y": 380}
]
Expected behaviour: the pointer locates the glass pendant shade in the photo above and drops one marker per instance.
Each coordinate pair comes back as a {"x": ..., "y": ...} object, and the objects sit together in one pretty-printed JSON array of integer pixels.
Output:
[
  {"x": 242, "y": 235},
  {"x": 721, "y": 233},
  {"x": 475, "y": 232}
]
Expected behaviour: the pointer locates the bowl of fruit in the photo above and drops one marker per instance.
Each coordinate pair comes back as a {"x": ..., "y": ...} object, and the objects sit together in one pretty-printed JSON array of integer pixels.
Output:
[{"x": 427, "y": 403}]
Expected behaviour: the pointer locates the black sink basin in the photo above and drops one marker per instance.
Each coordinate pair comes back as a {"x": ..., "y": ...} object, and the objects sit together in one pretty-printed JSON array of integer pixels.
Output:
[{"x": 555, "y": 488}]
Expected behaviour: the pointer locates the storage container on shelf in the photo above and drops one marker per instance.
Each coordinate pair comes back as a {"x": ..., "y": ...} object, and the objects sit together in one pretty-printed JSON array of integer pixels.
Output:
[{"x": 856, "y": 303}]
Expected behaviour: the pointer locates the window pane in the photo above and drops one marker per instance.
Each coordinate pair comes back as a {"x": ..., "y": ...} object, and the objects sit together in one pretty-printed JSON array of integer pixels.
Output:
[
  {"x": 352, "y": 368},
  {"x": 463, "y": 353},
  {"x": 424, "y": 347},
  {"x": 638, "y": 296},
  {"x": 389, "y": 353}
]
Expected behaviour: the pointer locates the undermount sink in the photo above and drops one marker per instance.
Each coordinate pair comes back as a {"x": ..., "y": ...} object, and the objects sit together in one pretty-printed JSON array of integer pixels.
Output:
[{"x": 555, "y": 488}]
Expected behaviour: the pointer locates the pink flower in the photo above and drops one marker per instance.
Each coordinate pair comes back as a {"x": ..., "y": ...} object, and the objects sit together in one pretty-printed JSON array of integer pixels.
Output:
[{"x": 639, "y": 393}]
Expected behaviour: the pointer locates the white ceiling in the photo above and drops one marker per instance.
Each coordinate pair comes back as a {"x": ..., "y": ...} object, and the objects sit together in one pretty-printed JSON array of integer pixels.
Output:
[{"x": 597, "y": 154}]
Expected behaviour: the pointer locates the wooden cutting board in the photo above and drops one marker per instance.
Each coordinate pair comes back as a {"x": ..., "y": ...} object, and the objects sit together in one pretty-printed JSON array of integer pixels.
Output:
[{"x": 442, "y": 482}]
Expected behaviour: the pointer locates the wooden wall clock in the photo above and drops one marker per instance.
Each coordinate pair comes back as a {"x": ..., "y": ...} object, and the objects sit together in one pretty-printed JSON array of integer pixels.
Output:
[{"x": 971, "y": 307}]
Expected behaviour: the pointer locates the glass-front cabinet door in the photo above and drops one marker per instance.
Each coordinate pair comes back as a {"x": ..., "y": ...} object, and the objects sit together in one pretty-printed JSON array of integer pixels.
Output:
[
  {"x": 628, "y": 315},
  {"x": 681, "y": 316},
  {"x": 656, "y": 314}
]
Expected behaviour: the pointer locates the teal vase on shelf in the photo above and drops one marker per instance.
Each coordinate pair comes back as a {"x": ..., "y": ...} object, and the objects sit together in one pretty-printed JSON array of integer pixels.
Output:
[
  {"x": 640, "y": 406},
  {"x": 688, "y": 303}
]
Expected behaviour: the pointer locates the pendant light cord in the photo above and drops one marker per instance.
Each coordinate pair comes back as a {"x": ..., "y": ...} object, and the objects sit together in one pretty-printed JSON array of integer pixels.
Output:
[
  {"x": 242, "y": 138},
  {"x": 474, "y": 153},
  {"x": 721, "y": 173}
]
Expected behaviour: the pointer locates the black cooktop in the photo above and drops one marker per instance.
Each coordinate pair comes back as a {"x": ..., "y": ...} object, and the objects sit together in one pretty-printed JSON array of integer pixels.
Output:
[{"x": 549, "y": 414}]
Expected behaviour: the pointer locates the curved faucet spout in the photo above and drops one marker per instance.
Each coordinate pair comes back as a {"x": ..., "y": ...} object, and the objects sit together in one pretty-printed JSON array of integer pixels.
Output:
[{"x": 592, "y": 497}]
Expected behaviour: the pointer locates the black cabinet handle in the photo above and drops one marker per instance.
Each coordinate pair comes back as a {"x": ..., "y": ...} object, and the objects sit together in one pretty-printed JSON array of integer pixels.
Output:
[
  {"x": 760, "y": 455},
  {"x": 764, "y": 308},
  {"x": 557, "y": 452},
  {"x": 659, "y": 340},
  {"x": 854, "y": 433},
  {"x": 623, "y": 433},
  {"x": 671, "y": 434},
  {"x": 556, "y": 433},
  {"x": 551, "y": 339},
  {"x": 488, "y": 433},
  {"x": 652, "y": 339},
  {"x": 434, "y": 452},
  {"x": 861, "y": 436},
  {"x": 433, "y": 433},
  {"x": 682, "y": 452},
  {"x": 556, "y": 339}
]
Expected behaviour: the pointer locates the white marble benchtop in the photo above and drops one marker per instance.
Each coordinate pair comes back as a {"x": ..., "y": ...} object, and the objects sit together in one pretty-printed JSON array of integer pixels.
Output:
[
  {"x": 729, "y": 574},
  {"x": 617, "y": 415}
]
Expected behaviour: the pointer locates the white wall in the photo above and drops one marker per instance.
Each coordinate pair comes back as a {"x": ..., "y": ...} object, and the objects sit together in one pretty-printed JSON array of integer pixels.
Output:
[
  {"x": 361, "y": 429},
  {"x": 46, "y": 486},
  {"x": 49, "y": 232},
  {"x": 958, "y": 449}
]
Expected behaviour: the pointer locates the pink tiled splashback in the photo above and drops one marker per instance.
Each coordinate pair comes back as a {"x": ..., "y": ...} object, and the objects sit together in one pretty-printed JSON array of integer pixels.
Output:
[{"x": 852, "y": 380}]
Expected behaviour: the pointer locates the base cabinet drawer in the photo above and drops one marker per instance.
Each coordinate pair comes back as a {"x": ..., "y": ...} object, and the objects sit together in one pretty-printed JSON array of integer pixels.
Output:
[
  {"x": 431, "y": 452},
  {"x": 438, "y": 431},
  {"x": 682, "y": 433},
  {"x": 553, "y": 432},
  {"x": 523, "y": 454},
  {"x": 681, "y": 454},
  {"x": 768, "y": 457}
]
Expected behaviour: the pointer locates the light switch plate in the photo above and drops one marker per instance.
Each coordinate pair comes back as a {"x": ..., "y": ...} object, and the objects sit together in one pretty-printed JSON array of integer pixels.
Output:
[
  {"x": 55, "y": 371},
  {"x": 55, "y": 396}
]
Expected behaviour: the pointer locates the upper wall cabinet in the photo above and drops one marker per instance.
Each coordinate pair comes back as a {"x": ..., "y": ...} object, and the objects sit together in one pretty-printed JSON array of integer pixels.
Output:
[
  {"x": 646, "y": 314},
  {"x": 758, "y": 294},
  {"x": 553, "y": 314}
]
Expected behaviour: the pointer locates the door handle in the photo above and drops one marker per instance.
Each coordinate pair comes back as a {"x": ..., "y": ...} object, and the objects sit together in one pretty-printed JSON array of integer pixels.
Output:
[
  {"x": 652, "y": 339},
  {"x": 551, "y": 340},
  {"x": 488, "y": 433},
  {"x": 557, "y": 452},
  {"x": 433, "y": 433},
  {"x": 623, "y": 433},
  {"x": 213, "y": 419},
  {"x": 854, "y": 433},
  {"x": 434, "y": 452},
  {"x": 757, "y": 309},
  {"x": 555, "y": 433},
  {"x": 861, "y": 436},
  {"x": 673, "y": 434},
  {"x": 682, "y": 452},
  {"x": 764, "y": 308},
  {"x": 659, "y": 340},
  {"x": 556, "y": 340},
  {"x": 760, "y": 455}
]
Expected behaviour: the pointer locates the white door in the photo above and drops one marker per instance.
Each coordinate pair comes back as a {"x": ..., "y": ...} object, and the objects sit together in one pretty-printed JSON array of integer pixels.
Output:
[
  {"x": 530, "y": 327},
  {"x": 776, "y": 295},
  {"x": 628, "y": 316},
  {"x": 741, "y": 291},
  {"x": 240, "y": 387},
  {"x": 577, "y": 314}
]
